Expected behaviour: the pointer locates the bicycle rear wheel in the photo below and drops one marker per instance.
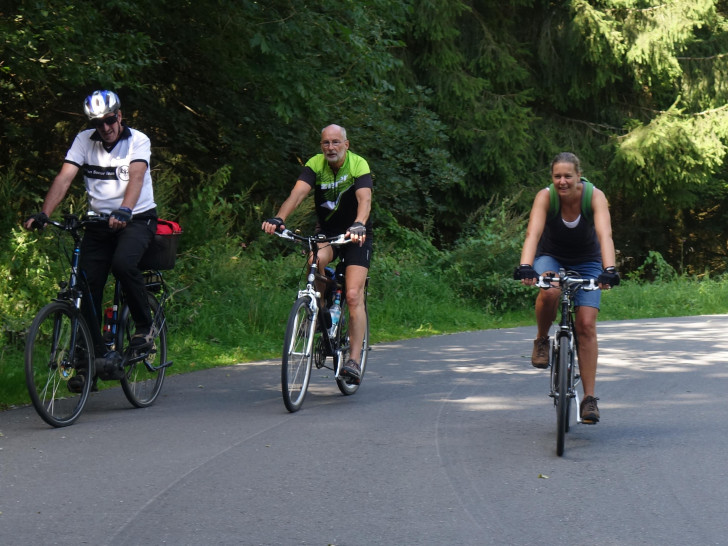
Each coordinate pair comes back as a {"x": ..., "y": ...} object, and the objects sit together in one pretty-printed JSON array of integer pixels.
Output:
[
  {"x": 562, "y": 396},
  {"x": 344, "y": 352},
  {"x": 297, "y": 354},
  {"x": 142, "y": 381},
  {"x": 58, "y": 348}
]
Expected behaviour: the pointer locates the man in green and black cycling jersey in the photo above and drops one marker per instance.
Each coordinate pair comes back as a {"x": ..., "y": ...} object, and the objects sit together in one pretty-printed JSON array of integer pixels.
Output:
[{"x": 342, "y": 185}]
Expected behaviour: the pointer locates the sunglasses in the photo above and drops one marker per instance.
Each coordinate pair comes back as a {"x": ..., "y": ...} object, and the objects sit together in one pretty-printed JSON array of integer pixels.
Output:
[{"x": 106, "y": 121}]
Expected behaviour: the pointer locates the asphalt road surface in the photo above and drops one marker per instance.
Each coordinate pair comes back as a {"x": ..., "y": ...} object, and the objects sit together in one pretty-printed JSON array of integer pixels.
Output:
[{"x": 450, "y": 440}]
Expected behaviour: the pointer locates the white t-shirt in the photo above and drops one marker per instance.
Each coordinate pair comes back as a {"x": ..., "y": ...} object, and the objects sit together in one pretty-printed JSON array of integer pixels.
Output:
[{"x": 107, "y": 173}]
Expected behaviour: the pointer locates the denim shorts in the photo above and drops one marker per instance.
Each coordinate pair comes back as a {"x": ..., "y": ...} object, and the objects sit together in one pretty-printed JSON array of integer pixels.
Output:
[{"x": 588, "y": 270}]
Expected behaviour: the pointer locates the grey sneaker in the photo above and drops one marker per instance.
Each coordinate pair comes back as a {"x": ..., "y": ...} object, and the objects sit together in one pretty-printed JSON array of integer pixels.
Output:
[
  {"x": 142, "y": 339},
  {"x": 352, "y": 371},
  {"x": 76, "y": 383},
  {"x": 540, "y": 355},
  {"x": 589, "y": 411}
]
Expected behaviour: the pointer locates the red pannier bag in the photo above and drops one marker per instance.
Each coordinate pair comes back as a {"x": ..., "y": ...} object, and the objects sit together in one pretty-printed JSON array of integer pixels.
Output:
[{"x": 162, "y": 251}]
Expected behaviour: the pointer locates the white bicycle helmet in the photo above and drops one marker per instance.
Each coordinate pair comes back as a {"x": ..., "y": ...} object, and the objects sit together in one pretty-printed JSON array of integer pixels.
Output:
[{"x": 100, "y": 104}]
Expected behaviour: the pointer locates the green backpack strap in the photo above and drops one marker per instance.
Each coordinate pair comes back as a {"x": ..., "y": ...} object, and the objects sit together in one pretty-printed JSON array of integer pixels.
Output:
[
  {"x": 586, "y": 198},
  {"x": 553, "y": 201}
]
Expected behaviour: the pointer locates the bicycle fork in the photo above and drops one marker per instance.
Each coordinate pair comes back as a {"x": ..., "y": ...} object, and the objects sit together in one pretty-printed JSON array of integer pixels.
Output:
[{"x": 573, "y": 376}]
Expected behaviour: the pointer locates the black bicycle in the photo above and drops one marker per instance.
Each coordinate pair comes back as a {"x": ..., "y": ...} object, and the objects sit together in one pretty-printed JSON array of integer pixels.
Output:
[
  {"x": 563, "y": 351},
  {"x": 311, "y": 335},
  {"x": 59, "y": 347}
]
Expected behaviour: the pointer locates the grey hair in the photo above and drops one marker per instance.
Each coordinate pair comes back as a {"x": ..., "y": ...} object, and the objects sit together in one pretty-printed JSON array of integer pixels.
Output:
[{"x": 567, "y": 157}]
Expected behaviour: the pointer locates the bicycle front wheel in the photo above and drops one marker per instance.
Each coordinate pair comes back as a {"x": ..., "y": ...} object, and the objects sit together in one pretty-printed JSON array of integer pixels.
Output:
[
  {"x": 143, "y": 379},
  {"x": 58, "y": 350},
  {"x": 562, "y": 396},
  {"x": 344, "y": 352},
  {"x": 571, "y": 370},
  {"x": 297, "y": 354}
]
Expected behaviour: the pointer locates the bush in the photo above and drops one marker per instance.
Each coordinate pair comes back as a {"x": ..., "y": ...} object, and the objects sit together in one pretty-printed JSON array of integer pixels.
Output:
[
  {"x": 480, "y": 267},
  {"x": 654, "y": 269}
]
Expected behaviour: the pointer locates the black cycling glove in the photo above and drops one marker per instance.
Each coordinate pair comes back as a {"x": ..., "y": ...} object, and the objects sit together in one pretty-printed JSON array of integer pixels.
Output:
[
  {"x": 358, "y": 229},
  {"x": 609, "y": 276},
  {"x": 277, "y": 222},
  {"x": 123, "y": 214},
  {"x": 525, "y": 271},
  {"x": 40, "y": 219}
]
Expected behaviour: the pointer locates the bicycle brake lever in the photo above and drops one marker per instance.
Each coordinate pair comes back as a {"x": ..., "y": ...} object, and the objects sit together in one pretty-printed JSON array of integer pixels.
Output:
[
  {"x": 543, "y": 283},
  {"x": 341, "y": 239},
  {"x": 285, "y": 234}
]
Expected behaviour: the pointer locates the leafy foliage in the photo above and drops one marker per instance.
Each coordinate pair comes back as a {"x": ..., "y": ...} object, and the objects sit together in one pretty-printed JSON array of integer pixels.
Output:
[
  {"x": 481, "y": 264},
  {"x": 654, "y": 269},
  {"x": 452, "y": 103}
]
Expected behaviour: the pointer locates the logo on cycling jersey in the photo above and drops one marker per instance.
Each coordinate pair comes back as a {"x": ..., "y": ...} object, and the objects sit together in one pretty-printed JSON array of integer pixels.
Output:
[
  {"x": 335, "y": 184},
  {"x": 122, "y": 173}
]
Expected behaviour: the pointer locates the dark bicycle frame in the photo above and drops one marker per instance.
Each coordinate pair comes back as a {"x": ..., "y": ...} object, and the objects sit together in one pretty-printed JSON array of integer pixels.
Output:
[{"x": 77, "y": 288}]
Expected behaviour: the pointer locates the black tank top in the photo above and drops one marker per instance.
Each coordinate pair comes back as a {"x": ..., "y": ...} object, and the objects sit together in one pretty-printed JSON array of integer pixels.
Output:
[{"x": 569, "y": 246}]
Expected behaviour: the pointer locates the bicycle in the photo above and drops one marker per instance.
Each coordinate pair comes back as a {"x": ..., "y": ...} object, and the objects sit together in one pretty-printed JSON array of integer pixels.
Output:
[
  {"x": 563, "y": 350},
  {"x": 60, "y": 346},
  {"x": 310, "y": 337}
]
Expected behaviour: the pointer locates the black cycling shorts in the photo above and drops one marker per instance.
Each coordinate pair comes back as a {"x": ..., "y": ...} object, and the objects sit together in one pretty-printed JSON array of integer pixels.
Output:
[{"x": 353, "y": 254}]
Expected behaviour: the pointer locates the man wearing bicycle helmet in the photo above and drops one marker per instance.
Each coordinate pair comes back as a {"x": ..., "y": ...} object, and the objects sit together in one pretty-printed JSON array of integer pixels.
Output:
[
  {"x": 342, "y": 185},
  {"x": 114, "y": 160},
  {"x": 570, "y": 227}
]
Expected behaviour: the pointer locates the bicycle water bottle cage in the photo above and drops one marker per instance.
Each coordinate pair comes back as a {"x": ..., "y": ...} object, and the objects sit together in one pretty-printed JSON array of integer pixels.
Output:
[{"x": 340, "y": 270}]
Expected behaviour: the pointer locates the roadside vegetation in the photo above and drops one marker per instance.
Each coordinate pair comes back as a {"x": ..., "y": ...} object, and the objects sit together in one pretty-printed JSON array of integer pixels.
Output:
[{"x": 232, "y": 298}]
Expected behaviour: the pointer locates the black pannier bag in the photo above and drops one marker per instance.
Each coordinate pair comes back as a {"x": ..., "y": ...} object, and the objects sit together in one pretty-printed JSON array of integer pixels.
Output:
[{"x": 162, "y": 251}]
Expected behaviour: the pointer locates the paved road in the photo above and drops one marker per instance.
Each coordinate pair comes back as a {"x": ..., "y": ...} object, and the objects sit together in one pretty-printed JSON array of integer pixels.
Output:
[{"x": 450, "y": 440}]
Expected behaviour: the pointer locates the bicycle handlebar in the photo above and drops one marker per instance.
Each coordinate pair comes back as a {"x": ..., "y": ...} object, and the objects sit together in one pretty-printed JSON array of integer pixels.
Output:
[
  {"x": 568, "y": 279},
  {"x": 317, "y": 238},
  {"x": 71, "y": 221}
]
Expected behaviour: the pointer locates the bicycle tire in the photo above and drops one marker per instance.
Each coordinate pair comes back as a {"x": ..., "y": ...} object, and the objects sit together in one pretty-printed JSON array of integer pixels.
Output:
[
  {"x": 297, "y": 354},
  {"x": 142, "y": 381},
  {"x": 562, "y": 396},
  {"x": 554, "y": 369},
  {"x": 48, "y": 367},
  {"x": 570, "y": 386},
  {"x": 344, "y": 350}
]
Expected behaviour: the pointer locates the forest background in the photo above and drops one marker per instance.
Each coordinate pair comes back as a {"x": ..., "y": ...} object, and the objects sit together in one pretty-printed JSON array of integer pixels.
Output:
[{"x": 458, "y": 106}]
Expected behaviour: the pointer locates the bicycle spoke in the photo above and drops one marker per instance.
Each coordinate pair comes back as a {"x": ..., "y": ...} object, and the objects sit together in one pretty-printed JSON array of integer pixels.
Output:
[
  {"x": 143, "y": 377},
  {"x": 297, "y": 355},
  {"x": 57, "y": 335}
]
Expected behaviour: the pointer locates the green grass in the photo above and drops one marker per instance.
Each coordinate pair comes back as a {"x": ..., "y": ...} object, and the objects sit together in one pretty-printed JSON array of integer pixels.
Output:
[{"x": 229, "y": 309}]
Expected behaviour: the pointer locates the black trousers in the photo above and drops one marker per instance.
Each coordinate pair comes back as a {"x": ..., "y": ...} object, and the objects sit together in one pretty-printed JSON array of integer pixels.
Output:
[{"x": 104, "y": 250}]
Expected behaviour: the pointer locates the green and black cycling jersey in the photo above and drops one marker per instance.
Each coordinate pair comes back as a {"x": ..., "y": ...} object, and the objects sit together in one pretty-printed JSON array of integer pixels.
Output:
[{"x": 335, "y": 194}]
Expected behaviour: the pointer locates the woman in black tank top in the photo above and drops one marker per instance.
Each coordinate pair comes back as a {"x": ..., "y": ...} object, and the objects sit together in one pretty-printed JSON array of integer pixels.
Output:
[{"x": 576, "y": 235}]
